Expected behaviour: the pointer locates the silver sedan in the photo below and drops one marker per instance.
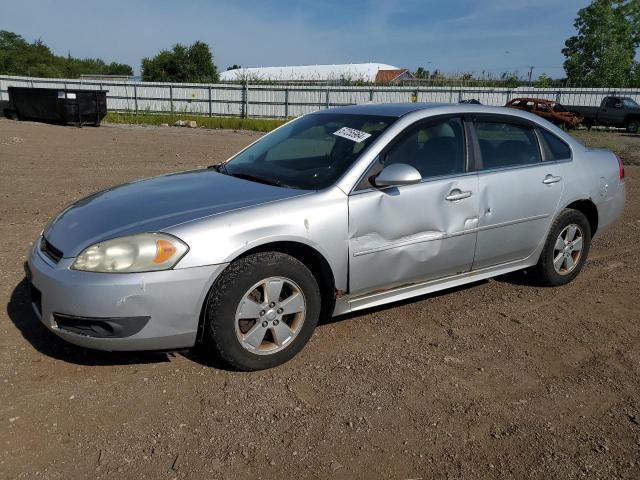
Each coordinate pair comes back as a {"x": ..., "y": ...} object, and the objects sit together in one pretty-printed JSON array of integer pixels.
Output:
[{"x": 333, "y": 212}]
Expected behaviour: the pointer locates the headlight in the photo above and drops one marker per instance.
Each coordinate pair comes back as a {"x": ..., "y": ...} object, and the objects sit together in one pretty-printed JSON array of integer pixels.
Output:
[{"x": 138, "y": 253}]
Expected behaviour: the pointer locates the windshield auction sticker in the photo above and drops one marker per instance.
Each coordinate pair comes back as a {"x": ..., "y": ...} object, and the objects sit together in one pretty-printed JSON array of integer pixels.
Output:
[{"x": 352, "y": 134}]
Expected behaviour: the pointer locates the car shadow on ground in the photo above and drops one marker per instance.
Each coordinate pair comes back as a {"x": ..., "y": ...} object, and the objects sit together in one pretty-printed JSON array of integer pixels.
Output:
[
  {"x": 523, "y": 278},
  {"x": 21, "y": 313},
  {"x": 520, "y": 278},
  {"x": 399, "y": 303}
]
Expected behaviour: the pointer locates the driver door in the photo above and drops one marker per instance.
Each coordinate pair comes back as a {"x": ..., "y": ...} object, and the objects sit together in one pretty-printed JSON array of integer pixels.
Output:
[{"x": 420, "y": 232}]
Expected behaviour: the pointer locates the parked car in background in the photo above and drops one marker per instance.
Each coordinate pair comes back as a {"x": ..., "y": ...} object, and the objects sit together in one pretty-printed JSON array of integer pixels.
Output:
[
  {"x": 547, "y": 109},
  {"x": 334, "y": 212},
  {"x": 471, "y": 101},
  {"x": 621, "y": 112}
]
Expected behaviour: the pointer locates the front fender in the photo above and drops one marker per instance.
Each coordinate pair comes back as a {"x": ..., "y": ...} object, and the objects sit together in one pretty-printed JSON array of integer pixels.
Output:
[{"x": 318, "y": 220}]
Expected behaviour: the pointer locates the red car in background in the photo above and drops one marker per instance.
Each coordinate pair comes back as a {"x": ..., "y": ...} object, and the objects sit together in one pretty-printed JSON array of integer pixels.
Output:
[{"x": 547, "y": 109}]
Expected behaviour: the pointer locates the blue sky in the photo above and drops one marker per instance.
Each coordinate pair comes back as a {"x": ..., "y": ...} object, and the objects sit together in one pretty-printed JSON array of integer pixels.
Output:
[{"x": 451, "y": 35}]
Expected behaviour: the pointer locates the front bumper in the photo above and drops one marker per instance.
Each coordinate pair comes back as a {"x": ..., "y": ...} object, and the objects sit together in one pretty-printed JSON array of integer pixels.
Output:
[{"x": 171, "y": 299}]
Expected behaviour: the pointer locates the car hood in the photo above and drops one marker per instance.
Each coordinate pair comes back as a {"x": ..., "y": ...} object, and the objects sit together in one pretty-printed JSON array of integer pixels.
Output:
[{"x": 155, "y": 204}]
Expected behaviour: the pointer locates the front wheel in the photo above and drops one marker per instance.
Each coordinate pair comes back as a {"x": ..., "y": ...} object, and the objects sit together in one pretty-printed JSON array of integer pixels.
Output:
[
  {"x": 565, "y": 250},
  {"x": 261, "y": 311},
  {"x": 632, "y": 127}
]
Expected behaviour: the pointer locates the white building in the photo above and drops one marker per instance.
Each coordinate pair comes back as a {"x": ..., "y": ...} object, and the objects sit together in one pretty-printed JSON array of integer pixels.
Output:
[{"x": 353, "y": 72}]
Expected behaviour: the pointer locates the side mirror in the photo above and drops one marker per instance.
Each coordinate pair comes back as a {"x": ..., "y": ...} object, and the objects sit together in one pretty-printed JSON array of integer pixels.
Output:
[
  {"x": 396, "y": 175},
  {"x": 619, "y": 105}
]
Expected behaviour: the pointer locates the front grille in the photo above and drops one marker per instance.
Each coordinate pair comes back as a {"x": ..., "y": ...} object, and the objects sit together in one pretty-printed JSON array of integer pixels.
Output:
[{"x": 50, "y": 251}]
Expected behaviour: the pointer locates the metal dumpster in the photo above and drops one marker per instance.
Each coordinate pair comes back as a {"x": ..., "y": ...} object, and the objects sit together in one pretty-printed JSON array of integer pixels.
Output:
[{"x": 55, "y": 105}]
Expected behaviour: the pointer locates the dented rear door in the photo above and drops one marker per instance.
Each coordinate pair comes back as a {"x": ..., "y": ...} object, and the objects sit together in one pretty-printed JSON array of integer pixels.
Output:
[{"x": 413, "y": 233}]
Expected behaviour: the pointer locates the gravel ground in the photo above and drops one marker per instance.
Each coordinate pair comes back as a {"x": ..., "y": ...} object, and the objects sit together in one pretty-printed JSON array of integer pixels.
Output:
[{"x": 499, "y": 379}]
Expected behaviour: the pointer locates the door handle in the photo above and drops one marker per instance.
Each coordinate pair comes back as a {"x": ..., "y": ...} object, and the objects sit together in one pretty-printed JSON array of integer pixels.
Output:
[
  {"x": 457, "y": 194},
  {"x": 549, "y": 179}
]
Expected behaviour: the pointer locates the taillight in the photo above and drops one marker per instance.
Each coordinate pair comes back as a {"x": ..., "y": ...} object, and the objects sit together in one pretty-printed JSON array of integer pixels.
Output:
[{"x": 620, "y": 169}]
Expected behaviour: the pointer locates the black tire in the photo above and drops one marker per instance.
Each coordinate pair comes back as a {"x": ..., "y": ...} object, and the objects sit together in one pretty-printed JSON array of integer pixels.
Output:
[
  {"x": 220, "y": 336},
  {"x": 632, "y": 127},
  {"x": 545, "y": 270}
]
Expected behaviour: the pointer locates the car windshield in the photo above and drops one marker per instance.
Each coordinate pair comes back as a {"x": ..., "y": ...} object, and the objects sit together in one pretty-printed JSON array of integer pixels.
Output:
[
  {"x": 309, "y": 153},
  {"x": 629, "y": 103},
  {"x": 559, "y": 108}
]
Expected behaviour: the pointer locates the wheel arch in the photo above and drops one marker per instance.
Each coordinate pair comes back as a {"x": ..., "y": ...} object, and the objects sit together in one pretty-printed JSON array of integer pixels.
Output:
[
  {"x": 306, "y": 254},
  {"x": 632, "y": 118},
  {"x": 589, "y": 210}
]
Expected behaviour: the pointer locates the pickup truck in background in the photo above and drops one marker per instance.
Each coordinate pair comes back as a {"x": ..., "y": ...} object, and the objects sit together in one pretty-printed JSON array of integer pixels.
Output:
[{"x": 621, "y": 112}]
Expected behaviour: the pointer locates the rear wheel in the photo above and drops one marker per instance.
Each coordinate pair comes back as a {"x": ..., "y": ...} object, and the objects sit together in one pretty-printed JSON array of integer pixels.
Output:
[
  {"x": 566, "y": 249},
  {"x": 632, "y": 127},
  {"x": 261, "y": 311}
]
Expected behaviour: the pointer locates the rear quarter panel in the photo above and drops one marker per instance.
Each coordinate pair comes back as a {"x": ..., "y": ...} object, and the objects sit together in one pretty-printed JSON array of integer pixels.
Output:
[{"x": 594, "y": 175}]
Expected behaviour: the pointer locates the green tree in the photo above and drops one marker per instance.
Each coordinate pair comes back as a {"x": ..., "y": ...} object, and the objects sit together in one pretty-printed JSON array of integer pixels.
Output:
[
  {"x": 181, "y": 64},
  {"x": 19, "y": 57},
  {"x": 235, "y": 66},
  {"x": 510, "y": 79},
  {"x": 635, "y": 76},
  {"x": 544, "y": 81},
  {"x": 603, "y": 51},
  {"x": 421, "y": 73}
]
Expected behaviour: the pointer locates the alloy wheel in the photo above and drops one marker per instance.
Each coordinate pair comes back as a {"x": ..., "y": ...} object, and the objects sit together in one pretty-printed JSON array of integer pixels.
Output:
[
  {"x": 270, "y": 315},
  {"x": 568, "y": 249}
]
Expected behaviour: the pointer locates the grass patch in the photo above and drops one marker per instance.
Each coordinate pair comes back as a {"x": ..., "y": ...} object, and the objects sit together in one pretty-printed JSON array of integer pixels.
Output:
[{"x": 231, "y": 123}]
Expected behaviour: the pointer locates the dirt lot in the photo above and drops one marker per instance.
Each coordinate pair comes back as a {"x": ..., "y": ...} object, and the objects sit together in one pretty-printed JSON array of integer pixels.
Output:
[{"x": 500, "y": 379}]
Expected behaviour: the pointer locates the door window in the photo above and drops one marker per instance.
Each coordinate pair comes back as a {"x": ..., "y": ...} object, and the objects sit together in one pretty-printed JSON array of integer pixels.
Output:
[
  {"x": 434, "y": 149},
  {"x": 506, "y": 145},
  {"x": 613, "y": 102},
  {"x": 542, "y": 107}
]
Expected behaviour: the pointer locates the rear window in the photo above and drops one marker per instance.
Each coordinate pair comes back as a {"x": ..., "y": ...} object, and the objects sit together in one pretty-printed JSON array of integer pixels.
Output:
[{"x": 558, "y": 149}]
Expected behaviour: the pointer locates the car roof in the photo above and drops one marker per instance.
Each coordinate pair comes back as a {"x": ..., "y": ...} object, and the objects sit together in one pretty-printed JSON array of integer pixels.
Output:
[
  {"x": 383, "y": 109},
  {"x": 401, "y": 109}
]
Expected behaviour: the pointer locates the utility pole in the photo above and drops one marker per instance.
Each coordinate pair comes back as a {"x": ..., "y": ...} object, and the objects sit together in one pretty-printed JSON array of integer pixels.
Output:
[{"x": 531, "y": 73}]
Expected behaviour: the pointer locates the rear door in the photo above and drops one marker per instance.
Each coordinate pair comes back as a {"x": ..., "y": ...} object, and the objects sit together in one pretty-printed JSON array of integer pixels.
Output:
[
  {"x": 419, "y": 232},
  {"x": 519, "y": 192}
]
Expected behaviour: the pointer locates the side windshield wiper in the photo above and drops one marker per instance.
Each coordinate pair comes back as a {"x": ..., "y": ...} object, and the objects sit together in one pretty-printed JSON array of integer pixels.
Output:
[
  {"x": 219, "y": 167},
  {"x": 254, "y": 178}
]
